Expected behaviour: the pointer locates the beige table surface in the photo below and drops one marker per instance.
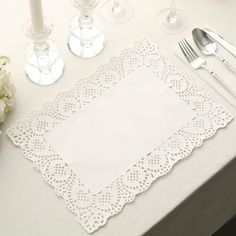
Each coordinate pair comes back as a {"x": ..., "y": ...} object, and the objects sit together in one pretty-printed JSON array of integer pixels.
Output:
[{"x": 194, "y": 199}]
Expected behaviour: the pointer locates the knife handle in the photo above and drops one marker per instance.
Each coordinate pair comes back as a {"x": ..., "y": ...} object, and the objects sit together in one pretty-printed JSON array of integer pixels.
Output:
[
  {"x": 219, "y": 80},
  {"x": 233, "y": 69}
]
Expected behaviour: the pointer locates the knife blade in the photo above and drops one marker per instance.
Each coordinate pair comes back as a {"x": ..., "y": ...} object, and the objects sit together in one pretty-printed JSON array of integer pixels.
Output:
[{"x": 227, "y": 45}]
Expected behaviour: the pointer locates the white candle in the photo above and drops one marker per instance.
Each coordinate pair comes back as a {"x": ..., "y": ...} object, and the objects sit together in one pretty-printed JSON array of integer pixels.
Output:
[{"x": 37, "y": 16}]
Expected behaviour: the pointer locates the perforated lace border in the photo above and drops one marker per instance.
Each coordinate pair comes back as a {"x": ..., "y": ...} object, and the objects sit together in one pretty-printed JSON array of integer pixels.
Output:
[{"x": 93, "y": 211}]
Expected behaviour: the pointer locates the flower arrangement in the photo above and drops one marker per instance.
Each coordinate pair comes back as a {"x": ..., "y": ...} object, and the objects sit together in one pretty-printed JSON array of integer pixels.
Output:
[{"x": 7, "y": 89}]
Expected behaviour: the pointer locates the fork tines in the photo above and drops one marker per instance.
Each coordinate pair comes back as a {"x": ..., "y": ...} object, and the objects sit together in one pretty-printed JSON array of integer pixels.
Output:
[{"x": 187, "y": 50}]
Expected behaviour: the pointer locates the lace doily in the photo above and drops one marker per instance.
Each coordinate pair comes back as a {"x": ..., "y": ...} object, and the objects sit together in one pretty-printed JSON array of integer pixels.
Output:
[{"x": 92, "y": 210}]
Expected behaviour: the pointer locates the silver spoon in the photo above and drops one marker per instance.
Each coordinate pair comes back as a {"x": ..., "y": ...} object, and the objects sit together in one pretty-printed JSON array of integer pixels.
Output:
[{"x": 208, "y": 47}]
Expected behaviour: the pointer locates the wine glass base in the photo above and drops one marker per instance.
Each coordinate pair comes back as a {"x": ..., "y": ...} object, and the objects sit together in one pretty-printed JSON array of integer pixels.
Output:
[
  {"x": 44, "y": 77},
  {"x": 176, "y": 26},
  {"x": 88, "y": 49},
  {"x": 122, "y": 15}
]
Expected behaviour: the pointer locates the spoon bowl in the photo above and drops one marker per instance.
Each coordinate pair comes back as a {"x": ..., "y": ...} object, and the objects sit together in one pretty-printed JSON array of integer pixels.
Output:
[
  {"x": 208, "y": 47},
  {"x": 205, "y": 44}
]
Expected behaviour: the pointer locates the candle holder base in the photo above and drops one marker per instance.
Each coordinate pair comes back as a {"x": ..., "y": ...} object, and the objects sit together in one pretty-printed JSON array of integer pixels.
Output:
[{"x": 44, "y": 69}]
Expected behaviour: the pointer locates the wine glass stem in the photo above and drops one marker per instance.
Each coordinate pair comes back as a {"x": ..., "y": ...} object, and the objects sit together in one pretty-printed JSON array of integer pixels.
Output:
[
  {"x": 116, "y": 8},
  {"x": 172, "y": 16}
]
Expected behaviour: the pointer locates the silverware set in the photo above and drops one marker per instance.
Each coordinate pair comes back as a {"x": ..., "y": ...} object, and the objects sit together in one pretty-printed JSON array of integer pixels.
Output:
[{"x": 205, "y": 41}]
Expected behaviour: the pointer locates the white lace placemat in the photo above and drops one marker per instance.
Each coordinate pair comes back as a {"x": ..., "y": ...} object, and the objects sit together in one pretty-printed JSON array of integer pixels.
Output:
[
  {"x": 113, "y": 134},
  {"x": 106, "y": 137}
]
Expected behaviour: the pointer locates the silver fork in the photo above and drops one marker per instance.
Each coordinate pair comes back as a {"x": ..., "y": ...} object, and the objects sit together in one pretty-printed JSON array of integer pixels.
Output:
[{"x": 197, "y": 62}]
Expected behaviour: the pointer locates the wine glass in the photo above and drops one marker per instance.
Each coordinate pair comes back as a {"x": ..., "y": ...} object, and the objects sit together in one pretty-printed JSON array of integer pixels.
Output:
[
  {"x": 86, "y": 38},
  {"x": 116, "y": 11},
  {"x": 172, "y": 20}
]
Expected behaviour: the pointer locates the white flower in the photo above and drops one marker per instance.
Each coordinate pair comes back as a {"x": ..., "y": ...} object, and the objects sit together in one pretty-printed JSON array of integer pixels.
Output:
[
  {"x": 7, "y": 87},
  {"x": 9, "y": 102},
  {"x": 2, "y": 64},
  {"x": 2, "y": 111},
  {"x": 7, "y": 90}
]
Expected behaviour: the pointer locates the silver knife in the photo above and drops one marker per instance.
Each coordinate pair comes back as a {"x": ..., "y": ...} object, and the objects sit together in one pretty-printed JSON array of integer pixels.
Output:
[{"x": 227, "y": 45}]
